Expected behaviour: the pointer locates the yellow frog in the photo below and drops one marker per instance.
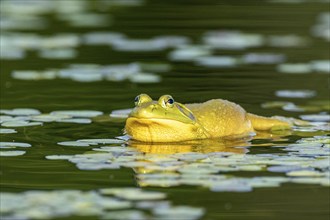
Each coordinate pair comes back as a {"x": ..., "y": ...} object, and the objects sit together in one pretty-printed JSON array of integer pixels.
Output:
[{"x": 168, "y": 121}]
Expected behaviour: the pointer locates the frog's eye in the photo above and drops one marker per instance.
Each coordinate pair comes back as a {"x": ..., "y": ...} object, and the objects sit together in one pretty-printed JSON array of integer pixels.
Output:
[
  {"x": 166, "y": 101},
  {"x": 142, "y": 98},
  {"x": 136, "y": 100},
  {"x": 170, "y": 102}
]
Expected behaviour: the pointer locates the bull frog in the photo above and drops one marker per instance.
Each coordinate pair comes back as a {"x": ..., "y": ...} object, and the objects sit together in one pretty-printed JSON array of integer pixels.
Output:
[{"x": 166, "y": 120}]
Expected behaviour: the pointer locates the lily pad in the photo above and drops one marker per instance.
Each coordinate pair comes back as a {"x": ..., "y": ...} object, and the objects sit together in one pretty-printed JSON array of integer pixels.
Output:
[
  {"x": 133, "y": 194},
  {"x": 101, "y": 141},
  {"x": 295, "y": 93},
  {"x": 320, "y": 117},
  {"x": 21, "y": 111},
  {"x": 75, "y": 120},
  {"x": 49, "y": 118},
  {"x": 96, "y": 166},
  {"x": 20, "y": 124},
  {"x": 67, "y": 53},
  {"x": 145, "y": 78},
  {"x": 59, "y": 157},
  {"x": 14, "y": 144},
  {"x": 73, "y": 143},
  {"x": 33, "y": 75},
  {"x": 159, "y": 183},
  {"x": 125, "y": 215},
  {"x": 263, "y": 58},
  {"x": 7, "y": 131},
  {"x": 122, "y": 113},
  {"x": 78, "y": 113},
  {"x": 294, "y": 68},
  {"x": 321, "y": 66},
  {"x": 232, "y": 40},
  {"x": 189, "y": 53},
  {"x": 283, "y": 169},
  {"x": 231, "y": 186},
  {"x": 12, "y": 153},
  {"x": 275, "y": 104},
  {"x": 305, "y": 173},
  {"x": 179, "y": 212}
]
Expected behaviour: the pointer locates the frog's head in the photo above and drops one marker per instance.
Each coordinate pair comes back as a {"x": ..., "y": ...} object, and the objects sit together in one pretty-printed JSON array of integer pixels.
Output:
[{"x": 161, "y": 121}]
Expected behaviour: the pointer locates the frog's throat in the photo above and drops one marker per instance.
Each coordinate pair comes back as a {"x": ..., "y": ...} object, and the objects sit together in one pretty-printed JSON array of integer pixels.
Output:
[{"x": 155, "y": 128}]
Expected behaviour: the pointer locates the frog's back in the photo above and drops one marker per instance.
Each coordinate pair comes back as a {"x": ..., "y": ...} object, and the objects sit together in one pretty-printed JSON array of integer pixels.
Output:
[{"x": 222, "y": 118}]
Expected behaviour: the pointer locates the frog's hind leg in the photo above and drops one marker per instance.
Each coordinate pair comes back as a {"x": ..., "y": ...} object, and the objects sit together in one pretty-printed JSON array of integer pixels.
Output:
[{"x": 261, "y": 123}]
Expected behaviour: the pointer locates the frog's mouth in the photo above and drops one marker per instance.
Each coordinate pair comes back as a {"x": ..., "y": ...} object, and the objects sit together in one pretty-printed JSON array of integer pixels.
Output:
[{"x": 155, "y": 123}]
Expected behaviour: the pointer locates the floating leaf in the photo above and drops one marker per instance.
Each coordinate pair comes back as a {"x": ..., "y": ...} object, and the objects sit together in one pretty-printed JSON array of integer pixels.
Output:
[
  {"x": 295, "y": 93},
  {"x": 96, "y": 166},
  {"x": 67, "y": 53},
  {"x": 73, "y": 143},
  {"x": 78, "y": 113},
  {"x": 179, "y": 212},
  {"x": 283, "y": 169},
  {"x": 190, "y": 156},
  {"x": 21, "y": 111},
  {"x": 7, "y": 131},
  {"x": 294, "y": 68},
  {"x": 250, "y": 167},
  {"x": 145, "y": 78},
  {"x": 125, "y": 215},
  {"x": 263, "y": 58},
  {"x": 122, "y": 113},
  {"x": 133, "y": 194},
  {"x": 309, "y": 180},
  {"x": 304, "y": 173},
  {"x": 11, "y": 153},
  {"x": 189, "y": 53},
  {"x": 231, "y": 186},
  {"x": 20, "y": 124},
  {"x": 101, "y": 141},
  {"x": 75, "y": 120},
  {"x": 321, "y": 66},
  {"x": 34, "y": 75},
  {"x": 101, "y": 38},
  {"x": 275, "y": 104},
  {"x": 159, "y": 183},
  {"x": 59, "y": 157},
  {"x": 320, "y": 117},
  {"x": 64, "y": 203},
  {"x": 14, "y": 144},
  {"x": 232, "y": 40},
  {"x": 49, "y": 118}
]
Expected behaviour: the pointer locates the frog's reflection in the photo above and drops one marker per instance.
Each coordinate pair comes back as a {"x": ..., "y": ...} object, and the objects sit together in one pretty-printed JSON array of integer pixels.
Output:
[
  {"x": 160, "y": 168},
  {"x": 233, "y": 145},
  {"x": 201, "y": 146}
]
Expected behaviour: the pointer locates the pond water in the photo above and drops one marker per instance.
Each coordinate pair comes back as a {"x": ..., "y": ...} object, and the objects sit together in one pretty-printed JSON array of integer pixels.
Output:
[{"x": 67, "y": 66}]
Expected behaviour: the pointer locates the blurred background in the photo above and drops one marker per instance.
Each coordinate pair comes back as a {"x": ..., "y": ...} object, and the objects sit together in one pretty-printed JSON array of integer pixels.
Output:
[{"x": 269, "y": 56}]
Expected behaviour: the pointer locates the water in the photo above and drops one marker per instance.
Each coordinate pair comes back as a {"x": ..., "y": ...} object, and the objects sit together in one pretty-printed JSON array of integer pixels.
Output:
[{"x": 260, "y": 37}]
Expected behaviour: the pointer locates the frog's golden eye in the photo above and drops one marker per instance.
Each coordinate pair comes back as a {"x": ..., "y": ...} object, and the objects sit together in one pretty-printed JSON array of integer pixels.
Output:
[
  {"x": 142, "y": 98},
  {"x": 166, "y": 101}
]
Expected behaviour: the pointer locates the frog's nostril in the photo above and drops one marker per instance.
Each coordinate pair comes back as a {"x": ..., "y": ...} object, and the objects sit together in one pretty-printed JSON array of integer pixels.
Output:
[{"x": 153, "y": 107}]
